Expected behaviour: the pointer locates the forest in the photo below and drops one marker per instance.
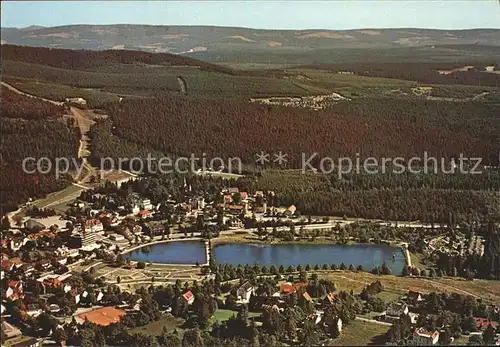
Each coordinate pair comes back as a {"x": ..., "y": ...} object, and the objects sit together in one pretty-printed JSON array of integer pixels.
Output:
[
  {"x": 32, "y": 128},
  {"x": 15, "y": 105},
  {"x": 81, "y": 60},
  {"x": 238, "y": 129},
  {"x": 422, "y": 72}
]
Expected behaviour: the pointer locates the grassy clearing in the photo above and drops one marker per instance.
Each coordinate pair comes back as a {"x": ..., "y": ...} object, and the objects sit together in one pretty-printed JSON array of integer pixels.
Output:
[
  {"x": 156, "y": 328},
  {"x": 345, "y": 280},
  {"x": 222, "y": 315},
  {"x": 359, "y": 333}
]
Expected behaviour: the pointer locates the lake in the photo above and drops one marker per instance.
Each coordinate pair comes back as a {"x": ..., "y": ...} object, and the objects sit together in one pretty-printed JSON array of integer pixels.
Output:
[
  {"x": 367, "y": 255},
  {"x": 178, "y": 252},
  {"x": 190, "y": 252}
]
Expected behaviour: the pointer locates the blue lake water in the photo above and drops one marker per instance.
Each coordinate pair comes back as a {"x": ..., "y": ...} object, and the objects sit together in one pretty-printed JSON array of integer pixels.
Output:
[
  {"x": 178, "y": 252},
  {"x": 190, "y": 252},
  {"x": 369, "y": 256}
]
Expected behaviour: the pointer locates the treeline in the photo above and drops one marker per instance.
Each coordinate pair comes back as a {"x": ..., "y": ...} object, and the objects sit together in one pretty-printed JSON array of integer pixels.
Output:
[
  {"x": 429, "y": 198},
  {"x": 15, "y": 105},
  {"x": 238, "y": 129},
  {"x": 39, "y": 136},
  {"x": 49, "y": 138},
  {"x": 16, "y": 187},
  {"x": 81, "y": 59},
  {"x": 421, "y": 72},
  {"x": 475, "y": 118}
]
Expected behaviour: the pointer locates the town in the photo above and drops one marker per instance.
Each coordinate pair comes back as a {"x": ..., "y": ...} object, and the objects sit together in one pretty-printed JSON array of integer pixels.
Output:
[{"x": 70, "y": 275}]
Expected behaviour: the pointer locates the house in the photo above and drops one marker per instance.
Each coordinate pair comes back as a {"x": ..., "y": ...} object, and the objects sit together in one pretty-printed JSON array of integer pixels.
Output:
[
  {"x": 233, "y": 190},
  {"x": 414, "y": 297},
  {"x": 145, "y": 214},
  {"x": 33, "y": 310},
  {"x": 289, "y": 288},
  {"x": 244, "y": 195},
  {"x": 330, "y": 297},
  {"x": 189, "y": 297},
  {"x": 146, "y": 204},
  {"x": 259, "y": 193},
  {"x": 483, "y": 323},
  {"x": 45, "y": 264},
  {"x": 10, "y": 331},
  {"x": 103, "y": 316},
  {"x": 116, "y": 237},
  {"x": 14, "y": 290},
  {"x": 307, "y": 296},
  {"x": 94, "y": 225},
  {"x": 28, "y": 268},
  {"x": 54, "y": 308},
  {"x": 245, "y": 291},
  {"x": 15, "y": 244},
  {"x": 396, "y": 309},
  {"x": 290, "y": 211},
  {"x": 422, "y": 337},
  {"x": 77, "y": 101},
  {"x": 228, "y": 198}
]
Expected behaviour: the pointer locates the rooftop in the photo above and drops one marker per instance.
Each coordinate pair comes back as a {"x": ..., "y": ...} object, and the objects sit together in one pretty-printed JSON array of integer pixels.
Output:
[{"x": 103, "y": 316}]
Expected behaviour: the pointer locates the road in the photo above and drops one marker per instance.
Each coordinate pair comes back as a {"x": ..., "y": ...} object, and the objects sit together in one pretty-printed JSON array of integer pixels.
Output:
[{"x": 387, "y": 324}]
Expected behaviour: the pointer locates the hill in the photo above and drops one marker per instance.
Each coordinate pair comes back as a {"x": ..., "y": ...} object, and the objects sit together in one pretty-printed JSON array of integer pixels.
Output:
[{"x": 229, "y": 44}]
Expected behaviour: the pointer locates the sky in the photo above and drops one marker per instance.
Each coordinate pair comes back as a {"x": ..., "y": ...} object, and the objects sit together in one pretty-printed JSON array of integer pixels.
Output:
[{"x": 260, "y": 14}]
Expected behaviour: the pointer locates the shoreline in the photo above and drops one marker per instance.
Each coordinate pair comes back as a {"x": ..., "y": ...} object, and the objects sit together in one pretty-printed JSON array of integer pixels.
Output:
[{"x": 250, "y": 239}]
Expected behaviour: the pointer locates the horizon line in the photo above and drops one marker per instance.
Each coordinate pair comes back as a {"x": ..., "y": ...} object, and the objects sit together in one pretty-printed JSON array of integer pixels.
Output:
[{"x": 250, "y": 28}]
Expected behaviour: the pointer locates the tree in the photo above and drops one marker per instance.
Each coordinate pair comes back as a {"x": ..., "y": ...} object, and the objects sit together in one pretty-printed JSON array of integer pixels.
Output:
[
  {"x": 385, "y": 269},
  {"x": 5, "y": 225},
  {"x": 489, "y": 335},
  {"x": 141, "y": 265}
]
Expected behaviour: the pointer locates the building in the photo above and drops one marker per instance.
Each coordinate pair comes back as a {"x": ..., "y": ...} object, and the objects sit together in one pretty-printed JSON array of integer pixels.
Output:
[
  {"x": 245, "y": 292},
  {"x": 483, "y": 323},
  {"x": 93, "y": 225},
  {"x": 103, "y": 316},
  {"x": 290, "y": 211},
  {"x": 10, "y": 331},
  {"x": 422, "y": 337},
  {"x": 146, "y": 204},
  {"x": 396, "y": 309},
  {"x": 289, "y": 288},
  {"x": 88, "y": 238},
  {"x": 33, "y": 224},
  {"x": 77, "y": 101},
  {"x": 414, "y": 297},
  {"x": 145, "y": 214},
  {"x": 189, "y": 297}
]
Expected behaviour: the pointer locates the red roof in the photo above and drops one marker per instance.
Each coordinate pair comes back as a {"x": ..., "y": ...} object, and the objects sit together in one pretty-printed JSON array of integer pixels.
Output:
[
  {"x": 228, "y": 198},
  {"x": 289, "y": 288},
  {"x": 144, "y": 212},
  {"x": 188, "y": 296},
  {"x": 14, "y": 284},
  {"x": 244, "y": 195},
  {"x": 484, "y": 323},
  {"x": 103, "y": 316}
]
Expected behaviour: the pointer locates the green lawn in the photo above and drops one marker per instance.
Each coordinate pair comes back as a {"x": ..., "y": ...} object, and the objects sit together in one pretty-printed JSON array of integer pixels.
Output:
[
  {"x": 155, "y": 328},
  {"x": 359, "y": 333},
  {"x": 222, "y": 315}
]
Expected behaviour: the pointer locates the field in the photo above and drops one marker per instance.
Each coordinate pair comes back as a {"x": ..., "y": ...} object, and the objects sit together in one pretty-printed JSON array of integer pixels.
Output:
[
  {"x": 486, "y": 289},
  {"x": 156, "y": 327},
  {"x": 359, "y": 333}
]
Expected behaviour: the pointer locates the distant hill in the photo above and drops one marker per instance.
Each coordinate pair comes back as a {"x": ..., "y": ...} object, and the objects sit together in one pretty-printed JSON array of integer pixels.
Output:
[
  {"x": 196, "y": 39},
  {"x": 86, "y": 59}
]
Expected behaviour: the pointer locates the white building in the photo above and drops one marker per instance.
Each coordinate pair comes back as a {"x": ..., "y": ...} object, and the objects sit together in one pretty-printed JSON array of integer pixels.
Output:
[
  {"x": 422, "y": 337},
  {"x": 245, "y": 292}
]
